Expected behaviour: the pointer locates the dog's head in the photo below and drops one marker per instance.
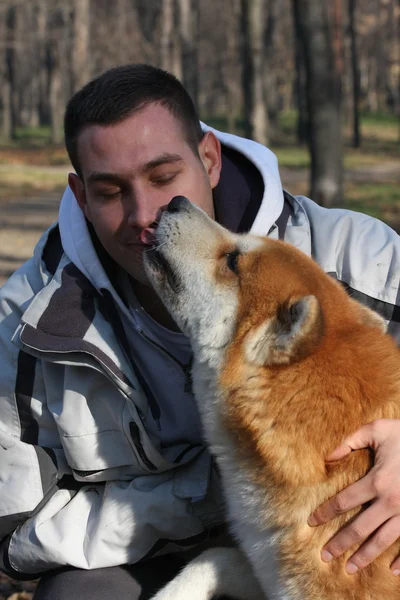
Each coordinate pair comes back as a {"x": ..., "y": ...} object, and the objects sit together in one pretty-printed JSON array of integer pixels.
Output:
[{"x": 220, "y": 287}]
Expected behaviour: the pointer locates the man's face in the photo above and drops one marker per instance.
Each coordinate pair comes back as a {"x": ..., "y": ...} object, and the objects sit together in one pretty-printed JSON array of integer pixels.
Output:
[{"x": 130, "y": 172}]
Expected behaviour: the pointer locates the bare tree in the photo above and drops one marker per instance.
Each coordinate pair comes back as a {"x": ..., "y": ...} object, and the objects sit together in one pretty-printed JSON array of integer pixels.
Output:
[
  {"x": 189, "y": 27},
  {"x": 80, "y": 43},
  {"x": 8, "y": 87},
  {"x": 355, "y": 75},
  {"x": 301, "y": 81},
  {"x": 323, "y": 98},
  {"x": 38, "y": 73},
  {"x": 394, "y": 82},
  {"x": 271, "y": 12},
  {"x": 167, "y": 28},
  {"x": 5, "y": 132},
  {"x": 230, "y": 59},
  {"x": 255, "y": 108},
  {"x": 170, "y": 43},
  {"x": 56, "y": 62},
  {"x": 336, "y": 13}
]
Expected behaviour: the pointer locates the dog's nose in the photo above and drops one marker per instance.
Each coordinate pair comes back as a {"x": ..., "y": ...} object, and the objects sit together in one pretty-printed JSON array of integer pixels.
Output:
[{"x": 177, "y": 203}]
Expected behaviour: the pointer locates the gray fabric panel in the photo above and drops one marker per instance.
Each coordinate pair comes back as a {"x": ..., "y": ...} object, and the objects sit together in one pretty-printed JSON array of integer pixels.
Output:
[{"x": 390, "y": 312}]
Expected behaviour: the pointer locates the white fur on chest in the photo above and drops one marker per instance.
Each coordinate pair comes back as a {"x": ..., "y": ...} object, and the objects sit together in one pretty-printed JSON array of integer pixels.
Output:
[{"x": 247, "y": 502}]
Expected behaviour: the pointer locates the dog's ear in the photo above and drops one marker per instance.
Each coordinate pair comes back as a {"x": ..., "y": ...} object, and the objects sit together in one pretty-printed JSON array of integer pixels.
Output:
[{"x": 290, "y": 335}]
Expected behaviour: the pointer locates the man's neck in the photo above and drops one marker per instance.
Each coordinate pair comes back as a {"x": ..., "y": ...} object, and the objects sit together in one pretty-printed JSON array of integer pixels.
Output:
[{"x": 152, "y": 304}]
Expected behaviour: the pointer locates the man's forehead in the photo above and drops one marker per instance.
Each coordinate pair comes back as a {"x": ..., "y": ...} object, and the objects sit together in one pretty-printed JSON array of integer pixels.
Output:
[
  {"x": 136, "y": 142},
  {"x": 152, "y": 120}
]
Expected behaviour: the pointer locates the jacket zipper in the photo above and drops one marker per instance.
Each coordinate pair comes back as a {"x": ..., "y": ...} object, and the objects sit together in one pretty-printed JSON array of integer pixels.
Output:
[
  {"x": 135, "y": 435},
  {"x": 117, "y": 324}
]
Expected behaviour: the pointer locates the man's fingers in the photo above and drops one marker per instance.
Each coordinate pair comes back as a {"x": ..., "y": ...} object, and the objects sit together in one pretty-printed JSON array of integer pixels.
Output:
[
  {"x": 362, "y": 438},
  {"x": 356, "y": 533},
  {"x": 374, "y": 530},
  {"x": 340, "y": 452},
  {"x": 353, "y": 496},
  {"x": 396, "y": 567},
  {"x": 385, "y": 536}
]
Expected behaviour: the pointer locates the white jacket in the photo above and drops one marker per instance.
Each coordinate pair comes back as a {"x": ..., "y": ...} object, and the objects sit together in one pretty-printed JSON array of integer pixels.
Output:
[{"x": 82, "y": 482}]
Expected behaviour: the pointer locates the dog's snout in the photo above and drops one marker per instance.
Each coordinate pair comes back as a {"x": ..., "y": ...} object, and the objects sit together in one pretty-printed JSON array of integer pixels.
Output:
[{"x": 177, "y": 204}]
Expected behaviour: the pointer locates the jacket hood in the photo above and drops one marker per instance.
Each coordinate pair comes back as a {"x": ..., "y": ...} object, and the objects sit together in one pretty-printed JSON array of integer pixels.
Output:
[
  {"x": 267, "y": 164},
  {"x": 77, "y": 242}
]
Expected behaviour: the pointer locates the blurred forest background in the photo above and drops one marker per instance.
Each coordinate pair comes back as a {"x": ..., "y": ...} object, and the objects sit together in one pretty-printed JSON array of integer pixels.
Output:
[
  {"x": 316, "y": 80},
  {"x": 320, "y": 74}
]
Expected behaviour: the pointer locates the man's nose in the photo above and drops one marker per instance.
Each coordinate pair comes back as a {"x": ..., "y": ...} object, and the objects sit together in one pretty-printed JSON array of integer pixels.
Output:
[{"x": 141, "y": 213}]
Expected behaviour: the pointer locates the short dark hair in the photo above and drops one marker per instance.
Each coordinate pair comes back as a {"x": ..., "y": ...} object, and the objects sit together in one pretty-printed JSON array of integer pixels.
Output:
[{"x": 119, "y": 93}]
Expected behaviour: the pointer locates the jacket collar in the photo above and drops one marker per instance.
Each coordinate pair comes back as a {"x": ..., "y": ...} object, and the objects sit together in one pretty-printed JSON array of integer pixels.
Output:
[
  {"x": 266, "y": 163},
  {"x": 69, "y": 320}
]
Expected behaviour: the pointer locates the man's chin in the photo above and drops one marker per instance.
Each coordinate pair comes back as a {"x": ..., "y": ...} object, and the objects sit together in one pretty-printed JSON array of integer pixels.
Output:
[{"x": 136, "y": 271}]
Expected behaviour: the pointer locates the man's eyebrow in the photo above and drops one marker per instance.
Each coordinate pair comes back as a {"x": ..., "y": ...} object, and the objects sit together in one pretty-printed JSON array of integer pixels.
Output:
[
  {"x": 164, "y": 158},
  {"x": 99, "y": 176}
]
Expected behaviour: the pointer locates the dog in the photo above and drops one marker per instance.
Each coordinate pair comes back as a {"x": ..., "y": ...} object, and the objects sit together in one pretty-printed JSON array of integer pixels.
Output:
[{"x": 286, "y": 365}]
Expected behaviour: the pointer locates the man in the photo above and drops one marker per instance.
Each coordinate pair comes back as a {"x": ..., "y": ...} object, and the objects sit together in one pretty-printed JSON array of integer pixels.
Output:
[{"x": 104, "y": 474}]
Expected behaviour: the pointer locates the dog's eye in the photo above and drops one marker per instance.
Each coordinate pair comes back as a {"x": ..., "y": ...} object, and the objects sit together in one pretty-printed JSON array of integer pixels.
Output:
[{"x": 232, "y": 261}]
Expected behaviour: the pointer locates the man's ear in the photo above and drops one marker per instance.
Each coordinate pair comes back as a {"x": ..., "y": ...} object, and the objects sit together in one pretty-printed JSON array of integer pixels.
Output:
[
  {"x": 210, "y": 156},
  {"x": 293, "y": 333},
  {"x": 76, "y": 185}
]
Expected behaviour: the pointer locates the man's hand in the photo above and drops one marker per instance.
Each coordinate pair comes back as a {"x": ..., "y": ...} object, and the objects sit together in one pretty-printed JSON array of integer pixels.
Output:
[{"x": 380, "y": 522}]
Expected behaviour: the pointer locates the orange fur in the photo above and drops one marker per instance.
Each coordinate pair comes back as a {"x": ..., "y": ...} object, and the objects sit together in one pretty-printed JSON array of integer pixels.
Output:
[{"x": 285, "y": 418}]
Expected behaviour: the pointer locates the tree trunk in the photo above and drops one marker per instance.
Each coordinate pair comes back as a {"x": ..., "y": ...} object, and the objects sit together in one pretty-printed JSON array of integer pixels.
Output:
[
  {"x": 269, "y": 75},
  {"x": 80, "y": 44},
  {"x": 395, "y": 85},
  {"x": 300, "y": 81},
  {"x": 39, "y": 88},
  {"x": 56, "y": 113},
  {"x": 323, "y": 100},
  {"x": 355, "y": 75},
  {"x": 381, "y": 56},
  {"x": 5, "y": 94},
  {"x": 56, "y": 68},
  {"x": 232, "y": 24},
  {"x": 8, "y": 92},
  {"x": 337, "y": 15},
  {"x": 167, "y": 29},
  {"x": 189, "y": 27},
  {"x": 255, "y": 108},
  {"x": 6, "y": 125},
  {"x": 43, "y": 73},
  {"x": 372, "y": 97}
]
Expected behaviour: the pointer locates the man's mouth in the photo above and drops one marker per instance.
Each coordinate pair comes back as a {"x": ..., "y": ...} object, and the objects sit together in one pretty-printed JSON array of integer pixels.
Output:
[{"x": 159, "y": 261}]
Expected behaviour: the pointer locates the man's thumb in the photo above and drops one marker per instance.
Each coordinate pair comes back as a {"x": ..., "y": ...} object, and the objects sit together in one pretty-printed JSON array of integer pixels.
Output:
[{"x": 359, "y": 439}]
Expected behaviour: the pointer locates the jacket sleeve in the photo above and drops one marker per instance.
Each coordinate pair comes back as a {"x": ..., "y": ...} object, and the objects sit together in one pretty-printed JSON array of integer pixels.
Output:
[
  {"x": 47, "y": 518},
  {"x": 104, "y": 525},
  {"x": 29, "y": 472}
]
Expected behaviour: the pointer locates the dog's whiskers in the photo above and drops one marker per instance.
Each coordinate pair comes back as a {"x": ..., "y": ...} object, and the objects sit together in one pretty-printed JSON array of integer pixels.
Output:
[{"x": 155, "y": 247}]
